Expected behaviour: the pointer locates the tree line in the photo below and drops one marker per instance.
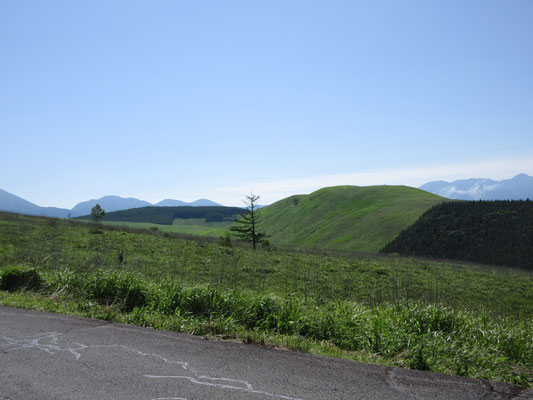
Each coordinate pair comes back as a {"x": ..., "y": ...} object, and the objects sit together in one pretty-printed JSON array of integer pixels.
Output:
[
  {"x": 489, "y": 232},
  {"x": 166, "y": 215}
]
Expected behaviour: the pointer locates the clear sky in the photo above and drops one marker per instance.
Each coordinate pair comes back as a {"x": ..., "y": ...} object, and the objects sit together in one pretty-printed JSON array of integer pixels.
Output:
[{"x": 212, "y": 99}]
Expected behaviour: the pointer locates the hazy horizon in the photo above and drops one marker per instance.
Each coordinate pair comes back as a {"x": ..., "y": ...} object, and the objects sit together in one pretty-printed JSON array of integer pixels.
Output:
[{"x": 243, "y": 199}]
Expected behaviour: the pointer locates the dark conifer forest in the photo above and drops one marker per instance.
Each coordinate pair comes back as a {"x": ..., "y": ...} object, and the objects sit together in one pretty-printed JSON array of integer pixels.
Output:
[
  {"x": 165, "y": 215},
  {"x": 488, "y": 232}
]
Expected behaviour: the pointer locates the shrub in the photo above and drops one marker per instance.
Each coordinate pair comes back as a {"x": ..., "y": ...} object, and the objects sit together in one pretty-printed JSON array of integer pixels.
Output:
[
  {"x": 225, "y": 241},
  {"x": 16, "y": 278},
  {"x": 116, "y": 288}
]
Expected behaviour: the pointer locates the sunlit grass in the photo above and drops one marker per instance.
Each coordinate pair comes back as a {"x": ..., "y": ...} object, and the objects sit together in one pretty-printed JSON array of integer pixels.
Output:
[{"x": 461, "y": 319}]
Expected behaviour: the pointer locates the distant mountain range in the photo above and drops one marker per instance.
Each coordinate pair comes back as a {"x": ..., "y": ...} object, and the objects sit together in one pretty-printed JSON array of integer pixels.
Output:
[
  {"x": 178, "y": 203},
  {"x": 518, "y": 188},
  {"x": 11, "y": 203}
]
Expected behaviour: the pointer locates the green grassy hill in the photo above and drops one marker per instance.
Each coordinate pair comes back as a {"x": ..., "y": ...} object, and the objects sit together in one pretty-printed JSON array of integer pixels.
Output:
[
  {"x": 346, "y": 217},
  {"x": 489, "y": 232}
]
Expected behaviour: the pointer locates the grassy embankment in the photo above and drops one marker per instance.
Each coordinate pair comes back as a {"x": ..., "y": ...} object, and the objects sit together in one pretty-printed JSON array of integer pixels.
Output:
[
  {"x": 346, "y": 217},
  {"x": 458, "y": 319}
]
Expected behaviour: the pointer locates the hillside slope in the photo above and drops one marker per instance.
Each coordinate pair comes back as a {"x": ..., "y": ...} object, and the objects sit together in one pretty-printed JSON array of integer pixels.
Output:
[
  {"x": 14, "y": 204},
  {"x": 346, "y": 217},
  {"x": 491, "y": 232}
]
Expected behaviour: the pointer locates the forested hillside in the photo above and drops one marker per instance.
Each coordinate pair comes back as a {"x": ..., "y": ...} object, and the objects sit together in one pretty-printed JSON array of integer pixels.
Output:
[
  {"x": 491, "y": 232},
  {"x": 166, "y": 215}
]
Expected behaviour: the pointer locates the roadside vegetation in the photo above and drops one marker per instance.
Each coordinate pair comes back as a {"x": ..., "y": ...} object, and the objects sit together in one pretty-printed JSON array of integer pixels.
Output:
[{"x": 469, "y": 320}]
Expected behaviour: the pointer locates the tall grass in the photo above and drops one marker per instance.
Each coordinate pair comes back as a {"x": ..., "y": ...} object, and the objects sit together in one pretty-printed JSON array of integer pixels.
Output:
[
  {"x": 407, "y": 333},
  {"x": 370, "y": 280}
]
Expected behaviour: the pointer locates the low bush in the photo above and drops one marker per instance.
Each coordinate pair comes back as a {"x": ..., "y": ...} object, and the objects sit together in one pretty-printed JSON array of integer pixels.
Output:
[
  {"x": 106, "y": 287},
  {"x": 16, "y": 278}
]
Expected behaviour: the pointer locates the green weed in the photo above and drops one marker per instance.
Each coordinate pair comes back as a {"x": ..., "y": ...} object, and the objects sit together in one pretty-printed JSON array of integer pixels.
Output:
[{"x": 16, "y": 278}]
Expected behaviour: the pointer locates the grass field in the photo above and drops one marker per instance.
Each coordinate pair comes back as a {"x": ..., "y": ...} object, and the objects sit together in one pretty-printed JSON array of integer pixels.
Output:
[
  {"x": 346, "y": 217},
  {"x": 196, "y": 226},
  {"x": 463, "y": 319}
]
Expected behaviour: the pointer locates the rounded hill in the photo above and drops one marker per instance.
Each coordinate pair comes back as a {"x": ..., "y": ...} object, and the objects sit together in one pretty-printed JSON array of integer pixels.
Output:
[{"x": 349, "y": 218}]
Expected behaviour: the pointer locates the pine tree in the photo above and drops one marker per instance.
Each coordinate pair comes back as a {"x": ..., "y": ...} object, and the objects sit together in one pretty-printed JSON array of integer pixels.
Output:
[
  {"x": 97, "y": 213},
  {"x": 246, "y": 226}
]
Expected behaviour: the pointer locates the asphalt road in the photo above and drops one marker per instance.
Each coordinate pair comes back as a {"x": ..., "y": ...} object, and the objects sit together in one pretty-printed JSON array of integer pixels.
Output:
[{"x": 50, "y": 356}]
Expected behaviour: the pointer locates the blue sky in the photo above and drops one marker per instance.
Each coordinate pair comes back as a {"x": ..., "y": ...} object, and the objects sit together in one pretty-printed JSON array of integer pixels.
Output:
[{"x": 184, "y": 100}]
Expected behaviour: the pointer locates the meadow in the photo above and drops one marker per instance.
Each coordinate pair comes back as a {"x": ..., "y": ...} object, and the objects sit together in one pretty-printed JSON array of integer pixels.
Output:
[
  {"x": 454, "y": 318},
  {"x": 197, "y": 227}
]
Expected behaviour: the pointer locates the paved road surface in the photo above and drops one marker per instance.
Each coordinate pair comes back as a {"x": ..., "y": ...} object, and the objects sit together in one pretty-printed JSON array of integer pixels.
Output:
[{"x": 50, "y": 356}]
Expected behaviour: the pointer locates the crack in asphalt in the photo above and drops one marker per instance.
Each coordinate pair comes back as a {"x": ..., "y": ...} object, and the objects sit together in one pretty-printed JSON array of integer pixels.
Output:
[
  {"x": 392, "y": 383},
  {"x": 248, "y": 387},
  {"x": 88, "y": 328},
  {"x": 51, "y": 343},
  {"x": 510, "y": 394},
  {"x": 504, "y": 392},
  {"x": 170, "y": 398}
]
